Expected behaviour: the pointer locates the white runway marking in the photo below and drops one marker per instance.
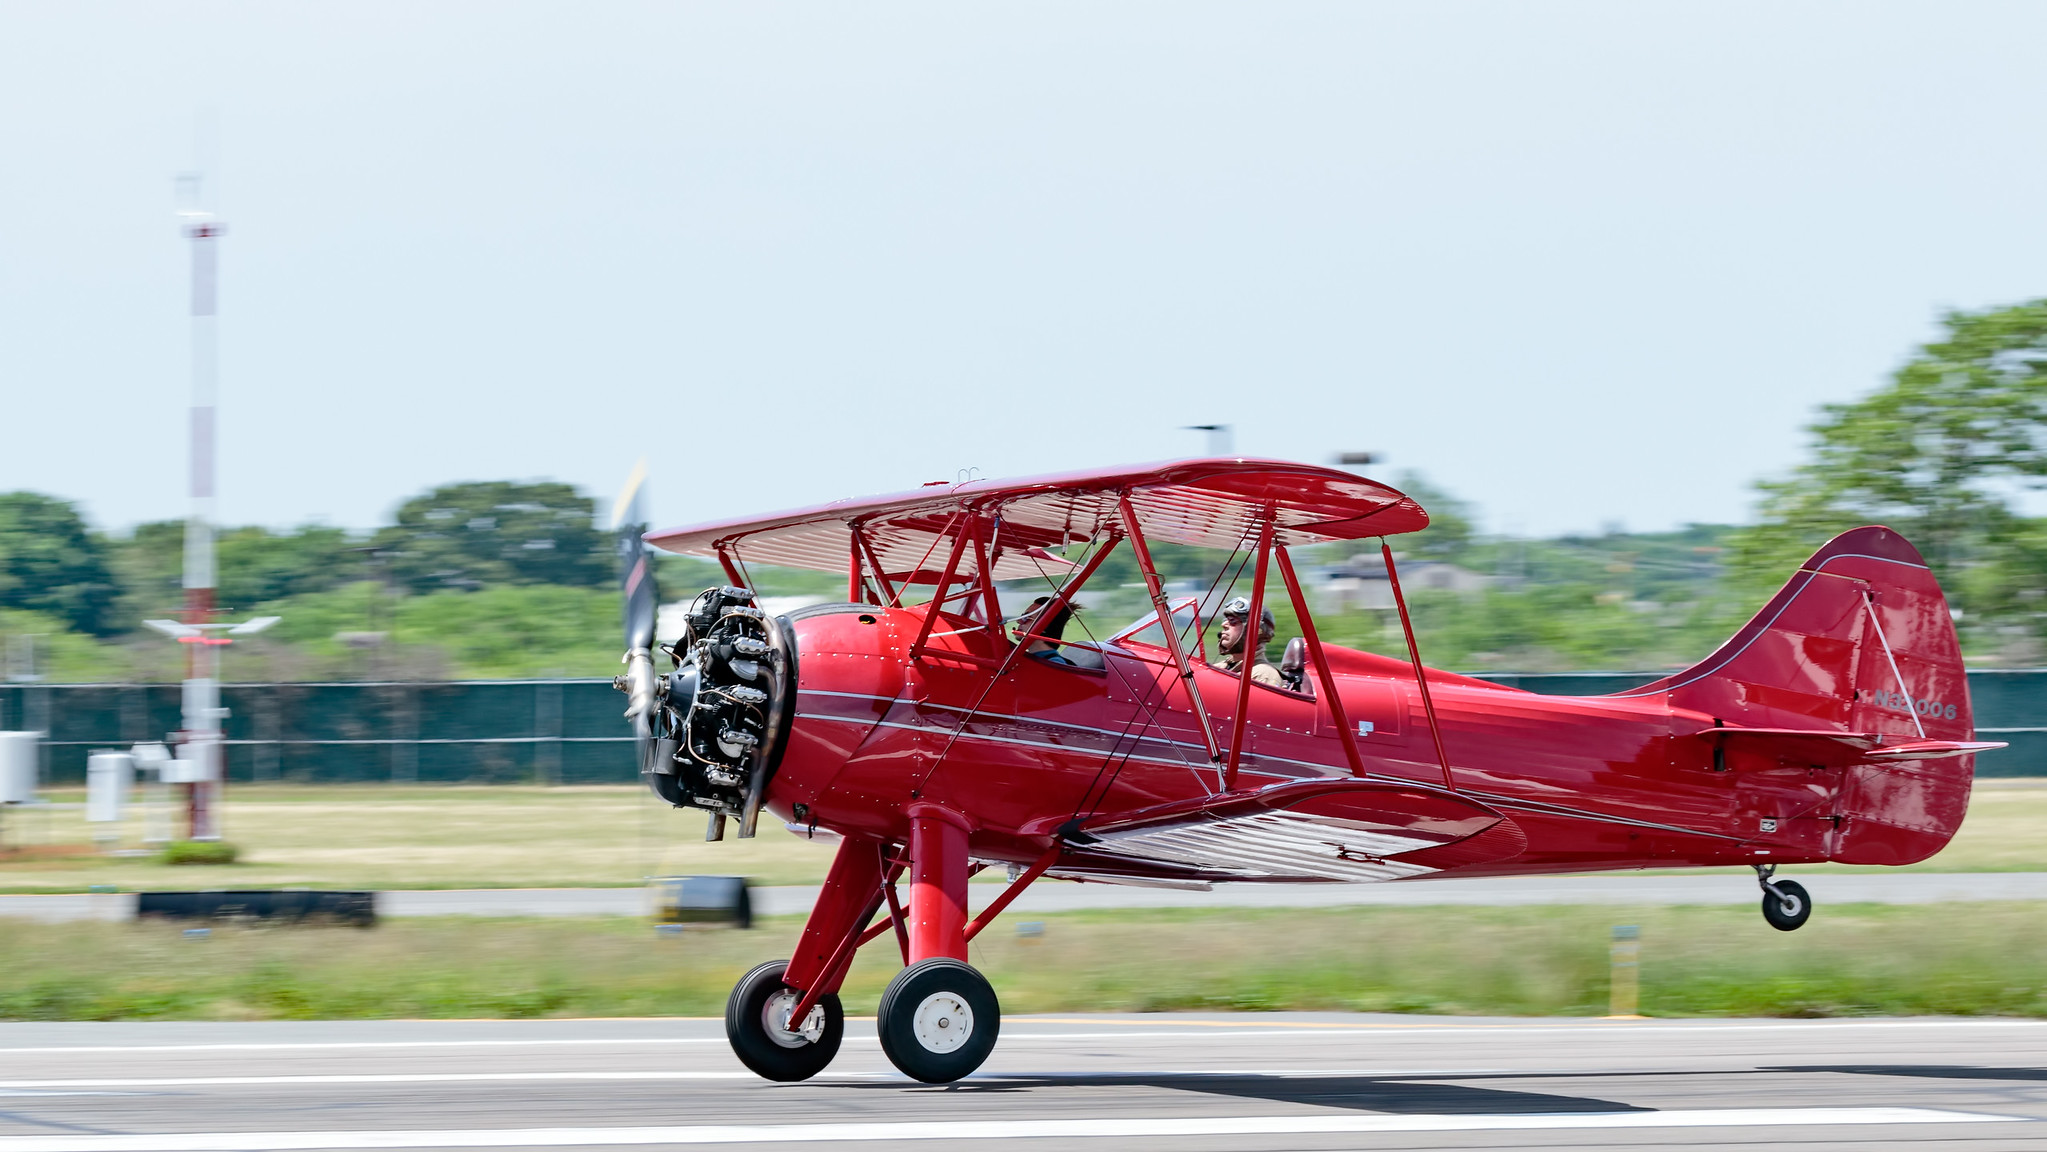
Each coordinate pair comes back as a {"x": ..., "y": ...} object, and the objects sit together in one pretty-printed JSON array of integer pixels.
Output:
[
  {"x": 1018, "y": 1029},
  {"x": 364, "y": 1078},
  {"x": 52, "y": 1049},
  {"x": 1320, "y": 1124},
  {"x": 76, "y": 1086}
]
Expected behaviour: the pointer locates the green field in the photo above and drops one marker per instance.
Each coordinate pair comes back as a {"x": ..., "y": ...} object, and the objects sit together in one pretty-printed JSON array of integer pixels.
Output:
[
  {"x": 529, "y": 837},
  {"x": 1851, "y": 960},
  {"x": 420, "y": 837}
]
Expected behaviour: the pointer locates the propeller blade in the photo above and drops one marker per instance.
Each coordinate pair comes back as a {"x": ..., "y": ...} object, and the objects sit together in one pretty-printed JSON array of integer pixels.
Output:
[
  {"x": 641, "y": 602},
  {"x": 637, "y": 565}
]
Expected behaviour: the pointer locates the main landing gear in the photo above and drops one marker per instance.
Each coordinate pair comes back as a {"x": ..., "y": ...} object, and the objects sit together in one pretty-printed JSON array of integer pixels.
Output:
[
  {"x": 939, "y": 1017},
  {"x": 938, "y": 1020},
  {"x": 1785, "y": 904},
  {"x": 764, "y": 1037}
]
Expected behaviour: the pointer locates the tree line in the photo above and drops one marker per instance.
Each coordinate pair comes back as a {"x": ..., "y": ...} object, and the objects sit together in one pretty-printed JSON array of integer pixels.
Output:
[
  {"x": 533, "y": 548},
  {"x": 504, "y": 578}
]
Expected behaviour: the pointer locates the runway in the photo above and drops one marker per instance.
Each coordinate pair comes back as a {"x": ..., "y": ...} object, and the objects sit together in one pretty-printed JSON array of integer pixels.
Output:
[
  {"x": 1725, "y": 886},
  {"x": 1265, "y": 1081}
]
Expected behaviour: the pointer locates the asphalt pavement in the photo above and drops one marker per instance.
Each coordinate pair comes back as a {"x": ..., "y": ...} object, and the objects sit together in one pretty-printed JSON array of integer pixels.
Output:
[
  {"x": 1724, "y": 887},
  {"x": 1196, "y": 1082}
]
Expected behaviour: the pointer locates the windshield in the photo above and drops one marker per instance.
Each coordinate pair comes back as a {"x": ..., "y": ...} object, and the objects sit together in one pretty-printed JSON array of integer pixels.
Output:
[{"x": 1145, "y": 631}]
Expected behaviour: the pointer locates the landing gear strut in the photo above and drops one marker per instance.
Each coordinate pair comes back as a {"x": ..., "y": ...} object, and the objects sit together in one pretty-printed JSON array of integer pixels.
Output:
[
  {"x": 1785, "y": 904},
  {"x": 939, "y": 1017}
]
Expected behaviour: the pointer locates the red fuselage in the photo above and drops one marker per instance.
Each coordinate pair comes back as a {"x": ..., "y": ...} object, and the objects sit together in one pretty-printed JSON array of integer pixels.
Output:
[{"x": 1593, "y": 783}]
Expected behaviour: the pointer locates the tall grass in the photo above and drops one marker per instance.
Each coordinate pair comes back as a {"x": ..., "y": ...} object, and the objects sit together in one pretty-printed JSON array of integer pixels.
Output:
[{"x": 1854, "y": 960}]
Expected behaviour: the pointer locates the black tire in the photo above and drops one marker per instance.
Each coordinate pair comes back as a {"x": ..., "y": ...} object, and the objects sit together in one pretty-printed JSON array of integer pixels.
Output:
[
  {"x": 763, "y": 1046},
  {"x": 1788, "y": 908},
  {"x": 923, "y": 1028}
]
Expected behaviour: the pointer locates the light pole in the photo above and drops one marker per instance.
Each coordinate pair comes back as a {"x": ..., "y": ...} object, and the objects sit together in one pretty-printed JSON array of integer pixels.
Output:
[
  {"x": 204, "y": 766},
  {"x": 1221, "y": 438}
]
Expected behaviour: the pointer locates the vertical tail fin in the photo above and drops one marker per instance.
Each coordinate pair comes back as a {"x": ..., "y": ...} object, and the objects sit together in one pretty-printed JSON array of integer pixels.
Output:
[{"x": 1859, "y": 640}]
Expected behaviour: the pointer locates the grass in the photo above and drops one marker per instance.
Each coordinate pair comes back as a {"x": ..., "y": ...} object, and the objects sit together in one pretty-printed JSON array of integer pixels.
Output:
[
  {"x": 506, "y": 836},
  {"x": 418, "y": 837},
  {"x": 1850, "y": 961},
  {"x": 199, "y": 852}
]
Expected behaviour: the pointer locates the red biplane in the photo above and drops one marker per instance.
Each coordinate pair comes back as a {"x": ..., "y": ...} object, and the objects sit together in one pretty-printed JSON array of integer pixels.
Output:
[{"x": 936, "y": 738}]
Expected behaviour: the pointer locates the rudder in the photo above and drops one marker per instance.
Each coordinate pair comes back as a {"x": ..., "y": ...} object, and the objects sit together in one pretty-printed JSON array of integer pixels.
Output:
[{"x": 1859, "y": 640}]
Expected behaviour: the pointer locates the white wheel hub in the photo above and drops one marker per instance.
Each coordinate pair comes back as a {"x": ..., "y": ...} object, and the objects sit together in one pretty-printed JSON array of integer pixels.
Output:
[
  {"x": 943, "y": 1022},
  {"x": 775, "y": 1020}
]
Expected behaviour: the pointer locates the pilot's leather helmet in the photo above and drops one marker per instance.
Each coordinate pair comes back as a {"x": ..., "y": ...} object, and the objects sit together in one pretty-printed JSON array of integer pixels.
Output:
[{"x": 1238, "y": 608}]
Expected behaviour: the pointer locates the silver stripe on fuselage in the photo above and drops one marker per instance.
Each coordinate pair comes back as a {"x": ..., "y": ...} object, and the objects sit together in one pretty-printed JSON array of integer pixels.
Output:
[{"x": 1496, "y": 799}]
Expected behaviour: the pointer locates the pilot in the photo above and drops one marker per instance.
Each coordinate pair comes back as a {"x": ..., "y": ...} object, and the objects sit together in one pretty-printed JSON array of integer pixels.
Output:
[
  {"x": 1027, "y": 624},
  {"x": 1230, "y": 637}
]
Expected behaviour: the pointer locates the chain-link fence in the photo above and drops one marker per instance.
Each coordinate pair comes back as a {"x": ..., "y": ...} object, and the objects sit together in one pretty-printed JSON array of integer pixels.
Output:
[
  {"x": 469, "y": 732},
  {"x": 571, "y": 731}
]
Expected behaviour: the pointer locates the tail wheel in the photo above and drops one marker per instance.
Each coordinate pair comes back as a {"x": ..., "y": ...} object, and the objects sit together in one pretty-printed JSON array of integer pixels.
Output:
[
  {"x": 938, "y": 1020},
  {"x": 767, "y": 1041},
  {"x": 1786, "y": 906}
]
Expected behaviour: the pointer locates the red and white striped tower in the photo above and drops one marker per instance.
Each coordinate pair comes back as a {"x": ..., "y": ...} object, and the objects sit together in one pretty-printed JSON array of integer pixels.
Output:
[
  {"x": 202, "y": 648},
  {"x": 201, "y": 764}
]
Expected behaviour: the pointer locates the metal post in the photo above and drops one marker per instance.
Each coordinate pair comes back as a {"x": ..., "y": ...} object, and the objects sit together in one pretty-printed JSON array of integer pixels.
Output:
[
  {"x": 547, "y": 725},
  {"x": 202, "y": 693},
  {"x": 404, "y": 704},
  {"x": 1624, "y": 992}
]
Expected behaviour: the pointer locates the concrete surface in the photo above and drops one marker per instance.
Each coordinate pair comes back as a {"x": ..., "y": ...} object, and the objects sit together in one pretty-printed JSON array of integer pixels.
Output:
[{"x": 1199, "y": 1082}]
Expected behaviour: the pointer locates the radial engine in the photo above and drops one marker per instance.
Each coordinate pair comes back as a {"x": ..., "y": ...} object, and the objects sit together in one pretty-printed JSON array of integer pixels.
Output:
[{"x": 713, "y": 724}]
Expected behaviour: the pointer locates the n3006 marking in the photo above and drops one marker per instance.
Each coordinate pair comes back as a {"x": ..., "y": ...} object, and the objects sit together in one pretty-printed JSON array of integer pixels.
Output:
[{"x": 1899, "y": 702}]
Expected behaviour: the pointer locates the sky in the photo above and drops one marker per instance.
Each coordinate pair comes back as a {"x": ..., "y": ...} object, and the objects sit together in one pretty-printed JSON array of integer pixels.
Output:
[{"x": 1580, "y": 264}]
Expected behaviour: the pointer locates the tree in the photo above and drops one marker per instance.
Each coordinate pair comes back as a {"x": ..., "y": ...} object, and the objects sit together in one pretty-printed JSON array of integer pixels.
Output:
[
  {"x": 149, "y": 565},
  {"x": 1939, "y": 453},
  {"x": 1450, "y": 530},
  {"x": 256, "y": 565},
  {"x": 252, "y": 565},
  {"x": 50, "y": 563},
  {"x": 471, "y": 536}
]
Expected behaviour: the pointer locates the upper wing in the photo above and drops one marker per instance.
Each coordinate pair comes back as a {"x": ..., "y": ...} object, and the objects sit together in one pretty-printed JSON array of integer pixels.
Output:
[
  {"x": 1210, "y": 503},
  {"x": 1326, "y": 830}
]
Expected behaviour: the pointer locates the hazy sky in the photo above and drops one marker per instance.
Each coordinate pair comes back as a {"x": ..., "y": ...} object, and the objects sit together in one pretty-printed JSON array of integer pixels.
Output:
[{"x": 1577, "y": 263}]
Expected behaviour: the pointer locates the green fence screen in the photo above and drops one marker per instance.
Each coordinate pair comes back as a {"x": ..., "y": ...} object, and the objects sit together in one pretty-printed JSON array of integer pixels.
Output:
[{"x": 571, "y": 731}]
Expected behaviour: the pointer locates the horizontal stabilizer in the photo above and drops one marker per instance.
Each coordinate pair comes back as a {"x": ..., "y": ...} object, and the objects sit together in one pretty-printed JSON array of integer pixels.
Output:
[
  {"x": 1932, "y": 749},
  {"x": 1838, "y": 749},
  {"x": 1303, "y": 831}
]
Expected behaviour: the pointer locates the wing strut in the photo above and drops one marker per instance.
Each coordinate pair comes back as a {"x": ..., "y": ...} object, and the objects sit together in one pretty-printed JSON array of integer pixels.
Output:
[
  {"x": 938, "y": 597},
  {"x": 1165, "y": 615},
  {"x": 1252, "y": 641},
  {"x": 732, "y": 572},
  {"x": 1414, "y": 653},
  {"x": 1322, "y": 671},
  {"x": 863, "y": 546}
]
